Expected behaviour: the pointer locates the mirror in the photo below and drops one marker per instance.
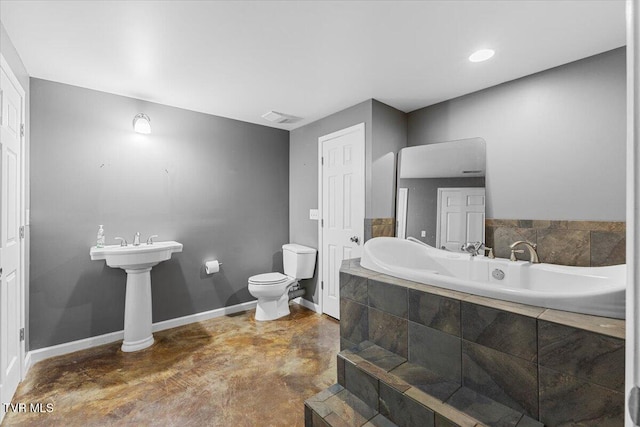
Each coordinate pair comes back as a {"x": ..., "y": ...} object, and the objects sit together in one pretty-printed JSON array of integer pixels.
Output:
[{"x": 441, "y": 193}]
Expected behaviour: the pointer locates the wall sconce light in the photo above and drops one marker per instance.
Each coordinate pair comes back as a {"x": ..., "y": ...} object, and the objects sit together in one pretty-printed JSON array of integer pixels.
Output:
[{"x": 142, "y": 123}]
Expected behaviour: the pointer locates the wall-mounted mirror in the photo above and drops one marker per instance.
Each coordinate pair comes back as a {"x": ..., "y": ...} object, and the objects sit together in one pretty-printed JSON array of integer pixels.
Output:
[{"x": 441, "y": 193}]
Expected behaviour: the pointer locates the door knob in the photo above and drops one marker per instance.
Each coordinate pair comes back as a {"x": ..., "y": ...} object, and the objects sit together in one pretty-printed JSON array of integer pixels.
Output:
[{"x": 355, "y": 240}]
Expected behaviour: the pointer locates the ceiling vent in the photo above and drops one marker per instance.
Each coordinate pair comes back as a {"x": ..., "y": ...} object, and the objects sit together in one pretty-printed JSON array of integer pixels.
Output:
[{"x": 275, "y": 117}]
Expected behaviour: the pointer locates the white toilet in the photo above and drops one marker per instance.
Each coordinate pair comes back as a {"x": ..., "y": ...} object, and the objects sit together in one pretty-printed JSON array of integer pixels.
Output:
[{"x": 272, "y": 289}]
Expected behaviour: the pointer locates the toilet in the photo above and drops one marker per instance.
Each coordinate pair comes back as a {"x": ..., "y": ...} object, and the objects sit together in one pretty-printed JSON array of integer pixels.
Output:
[{"x": 272, "y": 289}]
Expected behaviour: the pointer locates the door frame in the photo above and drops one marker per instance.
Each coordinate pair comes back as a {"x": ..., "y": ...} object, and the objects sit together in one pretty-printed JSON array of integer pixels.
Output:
[
  {"x": 321, "y": 140},
  {"x": 632, "y": 364},
  {"x": 22, "y": 219}
]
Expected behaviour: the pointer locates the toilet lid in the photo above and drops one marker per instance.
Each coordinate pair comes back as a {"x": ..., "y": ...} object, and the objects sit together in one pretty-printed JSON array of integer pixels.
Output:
[{"x": 268, "y": 279}]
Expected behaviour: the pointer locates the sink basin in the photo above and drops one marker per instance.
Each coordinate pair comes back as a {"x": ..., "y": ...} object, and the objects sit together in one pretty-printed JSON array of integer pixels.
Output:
[
  {"x": 137, "y": 261},
  {"x": 135, "y": 257}
]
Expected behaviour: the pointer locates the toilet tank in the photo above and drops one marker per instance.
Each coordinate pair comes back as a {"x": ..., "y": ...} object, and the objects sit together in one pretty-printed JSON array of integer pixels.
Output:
[{"x": 299, "y": 261}]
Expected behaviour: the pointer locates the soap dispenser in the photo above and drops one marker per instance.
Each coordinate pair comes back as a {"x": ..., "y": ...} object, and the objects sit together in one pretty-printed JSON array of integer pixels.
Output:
[{"x": 100, "y": 239}]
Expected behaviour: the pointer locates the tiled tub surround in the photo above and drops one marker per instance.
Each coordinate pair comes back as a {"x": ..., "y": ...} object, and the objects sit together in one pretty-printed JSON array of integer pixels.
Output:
[
  {"x": 577, "y": 243},
  {"x": 379, "y": 227},
  {"x": 414, "y": 351}
]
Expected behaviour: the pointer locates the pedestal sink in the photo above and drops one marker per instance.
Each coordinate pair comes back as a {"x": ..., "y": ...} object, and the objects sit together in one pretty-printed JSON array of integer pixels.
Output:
[{"x": 137, "y": 261}]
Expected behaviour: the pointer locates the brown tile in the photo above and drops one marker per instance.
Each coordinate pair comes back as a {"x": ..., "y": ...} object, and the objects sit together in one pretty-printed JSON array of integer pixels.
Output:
[
  {"x": 383, "y": 221},
  {"x": 387, "y": 297},
  {"x": 353, "y": 287},
  {"x": 489, "y": 240},
  {"x": 356, "y": 270},
  {"x": 318, "y": 421},
  {"x": 444, "y": 410},
  {"x": 426, "y": 380},
  {"x": 568, "y": 401},
  {"x": 403, "y": 410},
  {"x": 351, "y": 357},
  {"x": 587, "y": 355},
  {"x": 380, "y": 421},
  {"x": 565, "y": 247},
  {"x": 349, "y": 408},
  {"x": 362, "y": 384},
  {"x": 503, "y": 237},
  {"x": 601, "y": 325},
  {"x": 611, "y": 226},
  {"x": 334, "y": 420},
  {"x": 354, "y": 321},
  {"x": 559, "y": 225},
  {"x": 388, "y": 331},
  {"x": 383, "y": 230},
  {"x": 435, "y": 311},
  {"x": 538, "y": 224},
  {"x": 484, "y": 409},
  {"x": 501, "y": 330},
  {"x": 512, "y": 307},
  {"x": 435, "y": 350},
  {"x": 506, "y": 379},
  {"x": 525, "y": 223},
  {"x": 384, "y": 359},
  {"x": 608, "y": 248},
  {"x": 493, "y": 222}
]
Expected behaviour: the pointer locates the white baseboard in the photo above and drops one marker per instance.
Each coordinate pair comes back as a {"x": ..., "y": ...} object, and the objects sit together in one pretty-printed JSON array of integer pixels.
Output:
[
  {"x": 308, "y": 304},
  {"x": 205, "y": 315},
  {"x": 40, "y": 354}
]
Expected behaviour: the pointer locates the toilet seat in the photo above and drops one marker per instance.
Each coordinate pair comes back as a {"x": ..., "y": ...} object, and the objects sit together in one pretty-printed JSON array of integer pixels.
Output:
[{"x": 269, "y": 279}]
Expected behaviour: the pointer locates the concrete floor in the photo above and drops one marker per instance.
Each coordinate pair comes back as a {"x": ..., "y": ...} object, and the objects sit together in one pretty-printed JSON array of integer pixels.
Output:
[{"x": 229, "y": 371}]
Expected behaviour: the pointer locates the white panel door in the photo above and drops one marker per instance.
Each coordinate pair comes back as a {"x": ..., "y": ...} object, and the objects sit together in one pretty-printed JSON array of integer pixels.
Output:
[
  {"x": 342, "y": 223},
  {"x": 10, "y": 281},
  {"x": 460, "y": 217}
]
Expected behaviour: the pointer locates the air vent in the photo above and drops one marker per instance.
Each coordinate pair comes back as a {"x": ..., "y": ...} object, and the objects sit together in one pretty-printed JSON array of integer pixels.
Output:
[{"x": 276, "y": 117}]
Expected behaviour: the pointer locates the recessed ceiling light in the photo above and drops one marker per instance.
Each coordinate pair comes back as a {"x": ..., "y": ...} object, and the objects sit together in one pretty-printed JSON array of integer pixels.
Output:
[{"x": 481, "y": 55}]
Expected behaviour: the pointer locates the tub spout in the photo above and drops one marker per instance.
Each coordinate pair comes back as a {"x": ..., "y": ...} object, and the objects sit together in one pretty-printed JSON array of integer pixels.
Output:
[
  {"x": 533, "y": 253},
  {"x": 472, "y": 247}
]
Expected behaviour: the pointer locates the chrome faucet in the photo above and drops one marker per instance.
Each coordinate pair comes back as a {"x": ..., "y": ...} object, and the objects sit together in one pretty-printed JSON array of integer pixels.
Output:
[
  {"x": 150, "y": 239},
  {"x": 472, "y": 247},
  {"x": 123, "y": 241},
  {"x": 533, "y": 254},
  {"x": 136, "y": 239}
]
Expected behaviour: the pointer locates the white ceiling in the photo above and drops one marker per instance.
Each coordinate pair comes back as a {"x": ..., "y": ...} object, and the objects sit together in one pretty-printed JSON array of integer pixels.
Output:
[{"x": 306, "y": 58}]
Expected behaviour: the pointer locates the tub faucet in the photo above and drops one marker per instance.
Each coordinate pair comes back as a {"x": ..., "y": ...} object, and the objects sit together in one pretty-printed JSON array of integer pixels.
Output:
[
  {"x": 533, "y": 254},
  {"x": 472, "y": 247},
  {"x": 136, "y": 239}
]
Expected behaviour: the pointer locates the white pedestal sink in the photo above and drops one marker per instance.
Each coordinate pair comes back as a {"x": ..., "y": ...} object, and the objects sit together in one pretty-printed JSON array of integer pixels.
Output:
[{"x": 137, "y": 261}]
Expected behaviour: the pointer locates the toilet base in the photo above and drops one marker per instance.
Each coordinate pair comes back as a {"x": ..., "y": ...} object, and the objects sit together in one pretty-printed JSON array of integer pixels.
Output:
[{"x": 272, "y": 309}]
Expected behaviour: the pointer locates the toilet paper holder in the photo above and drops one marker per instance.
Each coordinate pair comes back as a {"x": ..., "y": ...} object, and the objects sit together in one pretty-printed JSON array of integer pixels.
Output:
[{"x": 212, "y": 266}]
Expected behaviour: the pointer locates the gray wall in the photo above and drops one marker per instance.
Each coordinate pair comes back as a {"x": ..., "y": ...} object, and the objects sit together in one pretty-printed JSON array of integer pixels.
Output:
[
  {"x": 218, "y": 186},
  {"x": 555, "y": 140},
  {"x": 12, "y": 57},
  {"x": 303, "y": 176},
  {"x": 389, "y": 136},
  {"x": 385, "y": 135}
]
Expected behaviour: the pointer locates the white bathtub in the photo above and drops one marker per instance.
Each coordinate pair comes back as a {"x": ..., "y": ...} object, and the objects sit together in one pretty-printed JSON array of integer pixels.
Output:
[{"x": 590, "y": 290}]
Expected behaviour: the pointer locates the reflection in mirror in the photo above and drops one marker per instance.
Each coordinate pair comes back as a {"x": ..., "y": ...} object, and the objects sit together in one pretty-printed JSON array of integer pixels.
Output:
[{"x": 441, "y": 193}]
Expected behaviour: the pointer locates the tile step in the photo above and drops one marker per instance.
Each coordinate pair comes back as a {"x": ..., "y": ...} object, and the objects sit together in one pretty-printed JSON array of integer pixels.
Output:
[
  {"x": 338, "y": 407},
  {"x": 411, "y": 395}
]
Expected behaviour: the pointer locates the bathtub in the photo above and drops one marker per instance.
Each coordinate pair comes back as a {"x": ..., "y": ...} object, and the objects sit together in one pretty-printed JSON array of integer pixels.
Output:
[{"x": 598, "y": 291}]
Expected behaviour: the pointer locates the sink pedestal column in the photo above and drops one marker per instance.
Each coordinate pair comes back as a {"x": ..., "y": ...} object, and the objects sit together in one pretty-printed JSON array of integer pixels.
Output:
[{"x": 137, "y": 310}]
